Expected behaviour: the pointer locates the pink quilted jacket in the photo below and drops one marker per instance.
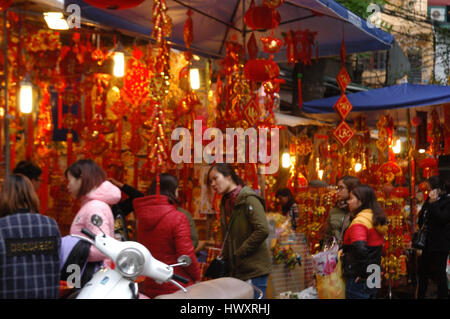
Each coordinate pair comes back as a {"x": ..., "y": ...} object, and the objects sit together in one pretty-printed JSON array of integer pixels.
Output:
[{"x": 95, "y": 206}]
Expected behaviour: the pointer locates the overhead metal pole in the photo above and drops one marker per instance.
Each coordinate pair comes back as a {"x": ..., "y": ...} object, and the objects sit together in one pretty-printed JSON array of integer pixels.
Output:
[{"x": 6, "y": 117}]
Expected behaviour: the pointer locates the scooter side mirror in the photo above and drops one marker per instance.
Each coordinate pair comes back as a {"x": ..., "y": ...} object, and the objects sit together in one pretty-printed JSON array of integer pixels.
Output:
[{"x": 185, "y": 259}]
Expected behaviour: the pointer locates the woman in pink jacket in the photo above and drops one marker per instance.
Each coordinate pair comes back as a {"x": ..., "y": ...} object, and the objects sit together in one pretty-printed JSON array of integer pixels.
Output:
[{"x": 87, "y": 182}]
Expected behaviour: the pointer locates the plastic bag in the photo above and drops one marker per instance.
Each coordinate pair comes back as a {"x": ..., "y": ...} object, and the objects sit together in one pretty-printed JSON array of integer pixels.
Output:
[
  {"x": 328, "y": 269},
  {"x": 325, "y": 262},
  {"x": 308, "y": 293},
  {"x": 331, "y": 286}
]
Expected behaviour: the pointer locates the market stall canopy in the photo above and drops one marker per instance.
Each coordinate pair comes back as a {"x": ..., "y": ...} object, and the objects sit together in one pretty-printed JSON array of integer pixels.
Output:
[
  {"x": 396, "y": 97},
  {"x": 216, "y": 21},
  {"x": 290, "y": 120},
  {"x": 391, "y": 97}
]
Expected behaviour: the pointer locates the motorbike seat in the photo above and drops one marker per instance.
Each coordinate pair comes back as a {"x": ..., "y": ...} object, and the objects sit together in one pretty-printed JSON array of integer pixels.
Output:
[{"x": 220, "y": 288}]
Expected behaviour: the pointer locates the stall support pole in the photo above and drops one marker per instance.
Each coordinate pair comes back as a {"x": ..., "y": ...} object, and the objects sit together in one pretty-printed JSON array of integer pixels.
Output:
[
  {"x": 6, "y": 116},
  {"x": 412, "y": 170}
]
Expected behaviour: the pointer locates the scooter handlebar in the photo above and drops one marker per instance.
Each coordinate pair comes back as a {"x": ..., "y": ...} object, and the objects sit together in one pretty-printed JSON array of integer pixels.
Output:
[
  {"x": 180, "y": 278},
  {"x": 88, "y": 233}
]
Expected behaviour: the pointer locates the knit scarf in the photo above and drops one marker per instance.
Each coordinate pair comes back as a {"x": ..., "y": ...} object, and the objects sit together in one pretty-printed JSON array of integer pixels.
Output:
[{"x": 230, "y": 200}]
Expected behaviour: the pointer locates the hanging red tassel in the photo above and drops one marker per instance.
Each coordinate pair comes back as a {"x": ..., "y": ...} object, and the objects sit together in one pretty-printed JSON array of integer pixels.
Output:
[
  {"x": 135, "y": 172},
  {"x": 299, "y": 84},
  {"x": 12, "y": 150},
  {"x": 255, "y": 181},
  {"x": 157, "y": 185},
  {"x": 69, "y": 148},
  {"x": 88, "y": 109},
  {"x": 30, "y": 135},
  {"x": 43, "y": 190},
  {"x": 317, "y": 50},
  {"x": 60, "y": 111},
  {"x": 119, "y": 136},
  {"x": 343, "y": 51}
]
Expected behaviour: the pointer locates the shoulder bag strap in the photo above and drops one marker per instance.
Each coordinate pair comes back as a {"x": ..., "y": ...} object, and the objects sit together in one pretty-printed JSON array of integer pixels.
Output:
[{"x": 226, "y": 234}]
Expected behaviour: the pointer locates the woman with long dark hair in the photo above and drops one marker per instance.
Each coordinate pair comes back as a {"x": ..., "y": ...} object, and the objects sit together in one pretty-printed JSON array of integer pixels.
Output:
[
  {"x": 363, "y": 243},
  {"x": 339, "y": 216},
  {"x": 165, "y": 231},
  {"x": 289, "y": 207},
  {"x": 244, "y": 227}
]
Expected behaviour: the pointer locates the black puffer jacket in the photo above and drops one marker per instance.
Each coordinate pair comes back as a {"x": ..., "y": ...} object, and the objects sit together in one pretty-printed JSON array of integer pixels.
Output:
[{"x": 437, "y": 219}]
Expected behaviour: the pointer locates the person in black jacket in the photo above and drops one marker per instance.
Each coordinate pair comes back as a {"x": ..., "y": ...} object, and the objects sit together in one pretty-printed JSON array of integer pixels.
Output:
[{"x": 435, "y": 214}]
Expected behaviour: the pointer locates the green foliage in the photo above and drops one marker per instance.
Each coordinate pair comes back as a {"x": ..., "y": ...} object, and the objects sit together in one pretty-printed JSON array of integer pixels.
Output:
[{"x": 359, "y": 7}]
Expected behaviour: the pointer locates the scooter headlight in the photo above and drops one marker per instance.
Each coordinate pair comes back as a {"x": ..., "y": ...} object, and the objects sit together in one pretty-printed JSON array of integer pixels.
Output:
[{"x": 130, "y": 262}]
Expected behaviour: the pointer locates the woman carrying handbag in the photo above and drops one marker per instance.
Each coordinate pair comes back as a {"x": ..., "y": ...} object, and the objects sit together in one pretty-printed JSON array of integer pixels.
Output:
[
  {"x": 244, "y": 225},
  {"x": 435, "y": 216}
]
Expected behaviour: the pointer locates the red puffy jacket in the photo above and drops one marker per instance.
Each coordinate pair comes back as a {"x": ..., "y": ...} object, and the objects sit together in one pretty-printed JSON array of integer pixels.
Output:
[{"x": 165, "y": 232}]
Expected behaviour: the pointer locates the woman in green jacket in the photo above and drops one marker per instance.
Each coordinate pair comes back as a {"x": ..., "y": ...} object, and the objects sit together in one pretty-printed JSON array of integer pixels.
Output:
[
  {"x": 244, "y": 227},
  {"x": 339, "y": 217}
]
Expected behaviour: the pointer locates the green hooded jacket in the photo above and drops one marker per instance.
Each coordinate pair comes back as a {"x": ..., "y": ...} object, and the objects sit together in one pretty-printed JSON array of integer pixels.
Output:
[
  {"x": 245, "y": 250},
  {"x": 334, "y": 226},
  {"x": 194, "y": 233}
]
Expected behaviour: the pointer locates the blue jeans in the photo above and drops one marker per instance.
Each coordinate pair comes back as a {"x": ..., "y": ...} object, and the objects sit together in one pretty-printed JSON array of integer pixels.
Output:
[
  {"x": 358, "y": 290},
  {"x": 261, "y": 283}
]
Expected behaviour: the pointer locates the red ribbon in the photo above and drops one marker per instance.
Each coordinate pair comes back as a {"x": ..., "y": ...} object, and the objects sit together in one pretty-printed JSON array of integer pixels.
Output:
[
  {"x": 12, "y": 151},
  {"x": 157, "y": 184},
  {"x": 60, "y": 110},
  {"x": 69, "y": 148},
  {"x": 43, "y": 190},
  {"x": 299, "y": 83},
  {"x": 30, "y": 135}
]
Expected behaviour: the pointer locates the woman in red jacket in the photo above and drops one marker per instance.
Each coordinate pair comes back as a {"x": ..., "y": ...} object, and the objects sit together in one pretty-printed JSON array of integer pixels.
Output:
[
  {"x": 165, "y": 231},
  {"x": 362, "y": 244}
]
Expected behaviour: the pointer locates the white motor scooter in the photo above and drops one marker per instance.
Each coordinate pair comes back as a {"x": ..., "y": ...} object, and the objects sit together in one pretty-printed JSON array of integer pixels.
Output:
[{"x": 131, "y": 260}]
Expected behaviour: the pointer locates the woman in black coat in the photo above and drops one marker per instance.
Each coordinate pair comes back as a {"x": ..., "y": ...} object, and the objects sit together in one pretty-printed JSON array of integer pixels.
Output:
[{"x": 435, "y": 214}]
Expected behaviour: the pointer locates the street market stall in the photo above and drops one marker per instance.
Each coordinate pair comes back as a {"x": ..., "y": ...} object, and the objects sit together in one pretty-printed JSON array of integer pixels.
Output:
[
  {"x": 114, "y": 90},
  {"x": 398, "y": 134}
]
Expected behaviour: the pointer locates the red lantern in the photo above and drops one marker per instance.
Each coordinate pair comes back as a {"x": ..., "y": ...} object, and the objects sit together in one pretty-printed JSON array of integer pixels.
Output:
[
  {"x": 5, "y": 4},
  {"x": 114, "y": 4},
  {"x": 400, "y": 192},
  {"x": 416, "y": 121},
  {"x": 260, "y": 70},
  {"x": 389, "y": 171},
  {"x": 428, "y": 165},
  {"x": 261, "y": 17},
  {"x": 388, "y": 189},
  {"x": 271, "y": 44}
]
